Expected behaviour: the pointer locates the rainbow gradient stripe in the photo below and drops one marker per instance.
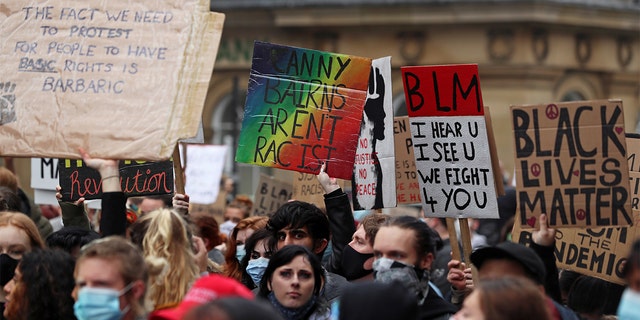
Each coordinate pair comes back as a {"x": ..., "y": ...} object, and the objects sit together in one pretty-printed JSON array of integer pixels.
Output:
[{"x": 303, "y": 108}]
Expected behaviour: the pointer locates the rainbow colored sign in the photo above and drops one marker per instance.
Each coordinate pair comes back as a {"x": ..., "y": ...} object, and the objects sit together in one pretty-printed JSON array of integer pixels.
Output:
[{"x": 303, "y": 108}]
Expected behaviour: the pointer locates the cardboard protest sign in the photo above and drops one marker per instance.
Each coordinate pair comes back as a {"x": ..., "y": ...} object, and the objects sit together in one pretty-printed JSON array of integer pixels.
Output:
[
  {"x": 203, "y": 171},
  {"x": 120, "y": 79},
  {"x": 307, "y": 188},
  {"x": 407, "y": 186},
  {"x": 449, "y": 135},
  {"x": 303, "y": 108},
  {"x": 598, "y": 252},
  {"x": 373, "y": 182},
  {"x": 571, "y": 163},
  {"x": 138, "y": 178},
  {"x": 270, "y": 195}
]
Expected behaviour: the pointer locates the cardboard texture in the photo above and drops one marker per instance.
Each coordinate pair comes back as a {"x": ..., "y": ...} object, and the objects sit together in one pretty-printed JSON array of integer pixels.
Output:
[
  {"x": 303, "y": 108},
  {"x": 570, "y": 163},
  {"x": 138, "y": 178},
  {"x": 270, "y": 195},
  {"x": 450, "y": 142},
  {"x": 203, "y": 172},
  {"x": 307, "y": 188},
  {"x": 407, "y": 186},
  {"x": 373, "y": 182},
  {"x": 122, "y": 80},
  {"x": 598, "y": 252}
]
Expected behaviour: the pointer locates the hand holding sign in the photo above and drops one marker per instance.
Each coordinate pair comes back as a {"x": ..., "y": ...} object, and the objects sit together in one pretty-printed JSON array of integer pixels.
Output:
[{"x": 328, "y": 184}]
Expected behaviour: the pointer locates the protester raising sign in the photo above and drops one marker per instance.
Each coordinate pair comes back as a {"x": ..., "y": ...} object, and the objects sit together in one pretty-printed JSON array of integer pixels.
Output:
[
  {"x": 120, "y": 78},
  {"x": 137, "y": 178},
  {"x": 407, "y": 186},
  {"x": 449, "y": 135},
  {"x": 570, "y": 163},
  {"x": 303, "y": 108},
  {"x": 373, "y": 182}
]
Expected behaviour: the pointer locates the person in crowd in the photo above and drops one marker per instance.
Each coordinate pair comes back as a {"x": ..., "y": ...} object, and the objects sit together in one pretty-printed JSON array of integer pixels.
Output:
[
  {"x": 404, "y": 250},
  {"x": 207, "y": 228},
  {"x": 236, "y": 210},
  {"x": 110, "y": 281},
  {"x": 509, "y": 259},
  {"x": 235, "y": 244},
  {"x": 292, "y": 283},
  {"x": 234, "y": 309},
  {"x": 27, "y": 206},
  {"x": 439, "y": 269},
  {"x": 18, "y": 235},
  {"x": 590, "y": 306},
  {"x": 259, "y": 250},
  {"x": 205, "y": 289},
  {"x": 630, "y": 300},
  {"x": 378, "y": 301},
  {"x": 147, "y": 204},
  {"x": 357, "y": 258},
  {"x": 304, "y": 224},
  {"x": 41, "y": 287},
  {"x": 228, "y": 186},
  {"x": 71, "y": 239},
  {"x": 168, "y": 250},
  {"x": 504, "y": 298}
]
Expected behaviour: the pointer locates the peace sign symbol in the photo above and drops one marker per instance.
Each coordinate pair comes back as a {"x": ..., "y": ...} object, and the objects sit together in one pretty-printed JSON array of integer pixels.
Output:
[
  {"x": 580, "y": 214},
  {"x": 535, "y": 169},
  {"x": 552, "y": 111}
]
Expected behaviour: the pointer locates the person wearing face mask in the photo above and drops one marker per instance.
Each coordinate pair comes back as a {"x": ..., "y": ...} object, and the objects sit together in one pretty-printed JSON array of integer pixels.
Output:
[
  {"x": 254, "y": 263},
  {"x": 110, "y": 281},
  {"x": 628, "y": 307},
  {"x": 357, "y": 258},
  {"x": 236, "y": 210},
  {"x": 236, "y": 245},
  {"x": 18, "y": 235},
  {"x": 404, "y": 250}
]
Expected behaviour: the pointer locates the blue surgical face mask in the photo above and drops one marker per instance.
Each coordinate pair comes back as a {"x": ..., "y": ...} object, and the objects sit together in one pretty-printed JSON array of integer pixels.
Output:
[
  {"x": 628, "y": 307},
  {"x": 240, "y": 252},
  {"x": 100, "y": 303},
  {"x": 227, "y": 227},
  {"x": 256, "y": 268}
]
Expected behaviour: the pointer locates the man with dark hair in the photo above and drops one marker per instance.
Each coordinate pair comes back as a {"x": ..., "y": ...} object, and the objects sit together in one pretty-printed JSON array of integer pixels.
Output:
[
  {"x": 304, "y": 224},
  {"x": 71, "y": 239},
  {"x": 404, "y": 249}
]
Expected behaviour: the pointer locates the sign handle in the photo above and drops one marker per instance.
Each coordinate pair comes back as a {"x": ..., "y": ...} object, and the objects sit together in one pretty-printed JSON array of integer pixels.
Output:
[
  {"x": 495, "y": 164},
  {"x": 465, "y": 234},
  {"x": 453, "y": 239},
  {"x": 177, "y": 169}
]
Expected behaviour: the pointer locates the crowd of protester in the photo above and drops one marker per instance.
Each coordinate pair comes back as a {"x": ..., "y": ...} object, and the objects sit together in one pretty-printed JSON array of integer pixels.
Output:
[{"x": 154, "y": 260}]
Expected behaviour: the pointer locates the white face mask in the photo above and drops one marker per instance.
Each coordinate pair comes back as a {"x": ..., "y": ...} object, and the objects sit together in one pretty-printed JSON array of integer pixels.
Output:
[
  {"x": 227, "y": 227},
  {"x": 628, "y": 308}
]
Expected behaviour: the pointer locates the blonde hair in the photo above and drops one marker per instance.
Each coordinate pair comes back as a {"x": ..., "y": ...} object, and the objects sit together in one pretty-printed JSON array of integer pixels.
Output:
[
  {"x": 168, "y": 252},
  {"x": 23, "y": 222}
]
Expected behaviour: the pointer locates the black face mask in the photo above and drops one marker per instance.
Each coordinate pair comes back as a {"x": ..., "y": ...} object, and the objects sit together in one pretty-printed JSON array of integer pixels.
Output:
[
  {"x": 7, "y": 268},
  {"x": 353, "y": 263}
]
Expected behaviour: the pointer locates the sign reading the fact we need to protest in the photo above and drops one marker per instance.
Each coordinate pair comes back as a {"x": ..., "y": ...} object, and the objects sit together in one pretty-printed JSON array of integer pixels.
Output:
[
  {"x": 374, "y": 182},
  {"x": 120, "y": 79},
  {"x": 303, "y": 108},
  {"x": 571, "y": 164},
  {"x": 137, "y": 178},
  {"x": 270, "y": 195},
  {"x": 599, "y": 252},
  {"x": 449, "y": 135},
  {"x": 407, "y": 186}
]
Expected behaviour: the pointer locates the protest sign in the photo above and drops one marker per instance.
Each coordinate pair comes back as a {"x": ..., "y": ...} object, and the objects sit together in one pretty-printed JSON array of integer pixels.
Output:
[
  {"x": 137, "y": 178},
  {"x": 203, "y": 171},
  {"x": 270, "y": 195},
  {"x": 373, "y": 182},
  {"x": 122, "y": 80},
  {"x": 407, "y": 186},
  {"x": 307, "y": 188},
  {"x": 449, "y": 135},
  {"x": 570, "y": 163},
  {"x": 216, "y": 209},
  {"x": 44, "y": 173},
  {"x": 303, "y": 108}
]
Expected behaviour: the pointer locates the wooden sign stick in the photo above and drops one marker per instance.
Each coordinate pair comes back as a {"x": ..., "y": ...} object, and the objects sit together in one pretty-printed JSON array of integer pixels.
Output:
[
  {"x": 465, "y": 234},
  {"x": 177, "y": 169},
  {"x": 453, "y": 239}
]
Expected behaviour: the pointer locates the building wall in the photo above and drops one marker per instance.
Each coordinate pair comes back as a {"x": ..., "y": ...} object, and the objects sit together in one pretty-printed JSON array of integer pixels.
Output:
[{"x": 527, "y": 54}]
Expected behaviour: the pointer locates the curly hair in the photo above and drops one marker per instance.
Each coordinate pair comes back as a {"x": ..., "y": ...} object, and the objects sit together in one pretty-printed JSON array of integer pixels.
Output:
[
  {"x": 44, "y": 289},
  {"x": 232, "y": 265},
  {"x": 167, "y": 249}
]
